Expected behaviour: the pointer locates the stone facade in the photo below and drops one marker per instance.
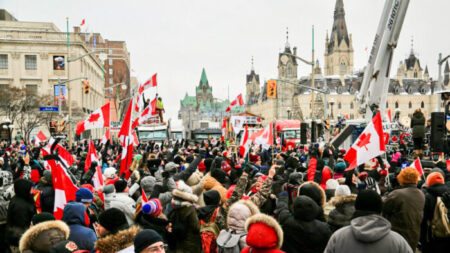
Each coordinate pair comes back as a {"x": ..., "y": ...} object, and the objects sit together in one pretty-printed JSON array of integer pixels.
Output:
[{"x": 30, "y": 49}]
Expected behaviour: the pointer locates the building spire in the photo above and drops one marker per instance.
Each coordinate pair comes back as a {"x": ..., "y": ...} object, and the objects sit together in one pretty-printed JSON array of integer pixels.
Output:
[
  {"x": 287, "y": 38},
  {"x": 339, "y": 29},
  {"x": 412, "y": 44},
  {"x": 253, "y": 68}
]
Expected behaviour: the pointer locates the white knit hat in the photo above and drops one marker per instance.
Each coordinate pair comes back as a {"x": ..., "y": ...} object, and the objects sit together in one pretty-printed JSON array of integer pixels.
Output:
[
  {"x": 332, "y": 184},
  {"x": 110, "y": 172},
  {"x": 342, "y": 190}
]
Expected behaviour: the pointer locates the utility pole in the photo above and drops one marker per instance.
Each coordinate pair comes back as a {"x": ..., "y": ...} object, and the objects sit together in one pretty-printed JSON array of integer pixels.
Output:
[
  {"x": 68, "y": 86},
  {"x": 312, "y": 76}
]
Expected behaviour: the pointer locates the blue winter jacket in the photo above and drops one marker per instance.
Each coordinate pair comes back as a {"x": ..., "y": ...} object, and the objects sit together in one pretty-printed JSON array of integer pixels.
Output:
[{"x": 74, "y": 215}]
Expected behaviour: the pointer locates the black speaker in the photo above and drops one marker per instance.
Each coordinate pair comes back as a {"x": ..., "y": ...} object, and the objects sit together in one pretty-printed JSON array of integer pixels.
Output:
[
  {"x": 437, "y": 131},
  {"x": 304, "y": 133},
  {"x": 319, "y": 129},
  {"x": 313, "y": 132}
]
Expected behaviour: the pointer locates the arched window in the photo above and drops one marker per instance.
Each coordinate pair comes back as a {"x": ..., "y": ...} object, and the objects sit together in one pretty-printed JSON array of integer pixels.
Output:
[
  {"x": 396, "y": 105},
  {"x": 343, "y": 68},
  {"x": 351, "y": 105},
  {"x": 409, "y": 105},
  {"x": 422, "y": 105},
  {"x": 339, "y": 105},
  {"x": 387, "y": 104},
  {"x": 289, "y": 69},
  {"x": 415, "y": 74}
]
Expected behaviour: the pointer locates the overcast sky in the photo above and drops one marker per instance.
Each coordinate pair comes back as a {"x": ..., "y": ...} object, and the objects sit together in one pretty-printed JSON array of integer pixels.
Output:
[{"x": 177, "y": 38}]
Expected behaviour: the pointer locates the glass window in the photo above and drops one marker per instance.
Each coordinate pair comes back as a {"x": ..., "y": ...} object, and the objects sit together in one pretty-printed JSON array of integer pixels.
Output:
[
  {"x": 351, "y": 105},
  {"x": 110, "y": 51},
  {"x": 396, "y": 105},
  {"x": 58, "y": 62},
  {"x": 30, "y": 62},
  {"x": 3, "y": 61},
  {"x": 409, "y": 105},
  {"x": 31, "y": 90},
  {"x": 422, "y": 105},
  {"x": 110, "y": 81},
  {"x": 110, "y": 71},
  {"x": 339, "y": 105},
  {"x": 110, "y": 62}
]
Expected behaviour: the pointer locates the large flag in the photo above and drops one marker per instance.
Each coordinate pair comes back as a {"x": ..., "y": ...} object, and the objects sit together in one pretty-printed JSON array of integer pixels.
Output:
[
  {"x": 263, "y": 137},
  {"x": 97, "y": 178},
  {"x": 418, "y": 166},
  {"x": 369, "y": 144},
  {"x": 40, "y": 137},
  {"x": 91, "y": 156},
  {"x": 64, "y": 188},
  {"x": 245, "y": 143},
  {"x": 98, "y": 119},
  {"x": 126, "y": 141},
  {"x": 105, "y": 137},
  {"x": 149, "y": 111},
  {"x": 142, "y": 87},
  {"x": 64, "y": 156},
  {"x": 237, "y": 102}
]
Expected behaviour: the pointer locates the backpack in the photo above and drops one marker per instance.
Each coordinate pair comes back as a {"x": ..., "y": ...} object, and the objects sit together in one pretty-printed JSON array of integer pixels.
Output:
[
  {"x": 440, "y": 224},
  {"x": 208, "y": 233},
  {"x": 228, "y": 241}
]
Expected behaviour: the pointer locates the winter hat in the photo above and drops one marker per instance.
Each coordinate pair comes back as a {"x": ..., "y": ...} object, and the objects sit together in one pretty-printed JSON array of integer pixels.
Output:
[
  {"x": 368, "y": 201},
  {"x": 305, "y": 208},
  {"x": 408, "y": 175},
  {"x": 211, "y": 197},
  {"x": 110, "y": 172},
  {"x": 332, "y": 184},
  {"x": 208, "y": 162},
  {"x": 66, "y": 247},
  {"x": 263, "y": 232},
  {"x": 201, "y": 166},
  {"x": 83, "y": 195},
  {"x": 108, "y": 189},
  {"x": 340, "y": 167},
  {"x": 113, "y": 220},
  {"x": 225, "y": 167},
  {"x": 178, "y": 160},
  {"x": 145, "y": 238},
  {"x": 435, "y": 178},
  {"x": 219, "y": 175},
  {"x": 147, "y": 184},
  {"x": 153, "y": 207},
  {"x": 363, "y": 176},
  {"x": 171, "y": 167},
  {"x": 436, "y": 169},
  {"x": 342, "y": 190},
  {"x": 254, "y": 158},
  {"x": 41, "y": 217},
  {"x": 295, "y": 178},
  {"x": 120, "y": 185},
  {"x": 312, "y": 191}
]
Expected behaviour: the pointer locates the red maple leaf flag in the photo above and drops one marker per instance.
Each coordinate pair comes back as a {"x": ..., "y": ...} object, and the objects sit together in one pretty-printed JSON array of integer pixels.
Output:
[
  {"x": 126, "y": 139},
  {"x": 105, "y": 137},
  {"x": 369, "y": 144},
  {"x": 418, "y": 166},
  {"x": 263, "y": 137},
  {"x": 142, "y": 87},
  {"x": 97, "y": 119},
  {"x": 224, "y": 128},
  {"x": 146, "y": 114},
  {"x": 40, "y": 137},
  {"x": 237, "y": 102},
  {"x": 245, "y": 143}
]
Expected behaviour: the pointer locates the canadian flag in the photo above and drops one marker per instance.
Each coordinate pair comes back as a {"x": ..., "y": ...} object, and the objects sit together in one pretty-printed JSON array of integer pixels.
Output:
[
  {"x": 135, "y": 139},
  {"x": 126, "y": 141},
  {"x": 149, "y": 111},
  {"x": 98, "y": 119},
  {"x": 369, "y": 144},
  {"x": 83, "y": 22},
  {"x": 263, "y": 137},
  {"x": 245, "y": 143},
  {"x": 418, "y": 166},
  {"x": 40, "y": 137},
  {"x": 91, "y": 156},
  {"x": 97, "y": 178},
  {"x": 142, "y": 87},
  {"x": 64, "y": 155},
  {"x": 224, "y": 128},
  {"x": 105, "y": 137},
  {"x": 144, "y": 197},
  {"x": 237, "y": 102},
  {"x": 389, "y": 115}
]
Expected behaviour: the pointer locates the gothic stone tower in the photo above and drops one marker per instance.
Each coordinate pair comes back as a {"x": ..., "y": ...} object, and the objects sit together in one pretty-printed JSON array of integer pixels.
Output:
[
  {"x": 203, "y": 92},
  {"x": 253, "y": 87},
  {"x": 339, "y": 47}
]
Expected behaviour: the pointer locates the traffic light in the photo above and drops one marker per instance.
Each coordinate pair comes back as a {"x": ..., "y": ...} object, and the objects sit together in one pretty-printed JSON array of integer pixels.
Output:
[
  {"x": 61, "y": 125},
  {"x": 271, "y": 88},
  {"x": 86, "y": 87}
]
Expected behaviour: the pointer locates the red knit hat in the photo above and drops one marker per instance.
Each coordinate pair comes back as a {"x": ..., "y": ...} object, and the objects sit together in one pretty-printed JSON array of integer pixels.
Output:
[
  {"x": 201, "y": 166},
  {"x": 261, "y": 235},
  {"x": 254, "y": 158},
  {"x": 435, "y": 178}
]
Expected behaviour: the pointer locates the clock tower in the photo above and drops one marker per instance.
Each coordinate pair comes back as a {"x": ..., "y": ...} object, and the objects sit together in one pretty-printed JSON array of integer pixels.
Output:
[{"x": 287, "y": 64}]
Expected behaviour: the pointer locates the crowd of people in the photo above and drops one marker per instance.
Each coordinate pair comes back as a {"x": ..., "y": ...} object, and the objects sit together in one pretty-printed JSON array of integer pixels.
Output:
[{"x": 184, "y": 197}]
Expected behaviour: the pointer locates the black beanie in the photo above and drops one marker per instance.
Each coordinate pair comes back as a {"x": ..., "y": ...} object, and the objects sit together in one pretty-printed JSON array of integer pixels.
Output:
[
  {"x": 208, "y": 162},
  {"x": 313, "y": 192},
  {"x": 41, "y": 217},
  {"x": 219, "y": 175},
  {"x": 146, "y": 238},
  {"x": 113, "y": 220},
  {"x": 368, "y": 201},
  {"x": 211, "y": 198},
  {"x": 120, "y": 185}
]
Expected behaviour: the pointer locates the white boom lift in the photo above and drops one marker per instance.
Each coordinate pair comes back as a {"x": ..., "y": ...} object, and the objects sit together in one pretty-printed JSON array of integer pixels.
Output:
[{"x": 375, "y": 84}]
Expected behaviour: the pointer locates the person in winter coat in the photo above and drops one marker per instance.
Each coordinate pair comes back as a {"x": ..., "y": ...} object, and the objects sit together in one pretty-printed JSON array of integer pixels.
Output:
[
  {"x": 151, "y": 188},
  {"x": 404, "y": 207},
  {"x": 149, "y": 216},
  {"x": 315, "y": 192},
  {"x": 47, "y": 196},
  {"x": 185, "y": 232},
  {"x": 148, "y": 240},
  {"x": 114, "y": 233},
  {"x": 264, "y": 235},
  {"x": 318, "y": 172},
  {"x": 42, "y": 237},
  {"x": 122, "y": 200},
  {"x": 368, "y": 231},
  {"x": 344, "y": 203},
  {"x": 435, "y": 188},
  {"x": 302, "y": 231},
  {"x": 418, "y": 129},
  {"x": 21, "y": 210},
  {"x": 75, "y": 216}
]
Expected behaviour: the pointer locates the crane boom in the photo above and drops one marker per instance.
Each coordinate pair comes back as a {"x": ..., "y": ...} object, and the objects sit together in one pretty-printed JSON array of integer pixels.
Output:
[{"x": 375, "y": 84}]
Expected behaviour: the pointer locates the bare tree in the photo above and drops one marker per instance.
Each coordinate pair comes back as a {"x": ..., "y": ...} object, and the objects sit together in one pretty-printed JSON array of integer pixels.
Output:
[{"x": 11, "y": 101}]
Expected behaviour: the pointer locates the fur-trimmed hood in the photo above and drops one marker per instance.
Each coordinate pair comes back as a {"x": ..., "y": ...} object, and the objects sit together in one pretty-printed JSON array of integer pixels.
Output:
[
  {"x": 268, "y": 221},
  {"x": 322, "y": 192},
  {"x": 43, "y": 236},
  {"x": 210, "y": 183},
  {"x": 180, "y": 195},
  {"x": 239, "y": 212},
  {"x": 341, "y": 199},
  {"x": 118, "y": 241}
]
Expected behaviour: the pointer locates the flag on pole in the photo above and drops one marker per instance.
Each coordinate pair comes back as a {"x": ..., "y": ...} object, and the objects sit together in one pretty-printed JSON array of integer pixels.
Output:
[
  {"x": 105, "y": 137},
  {"x": 244, "y": 146},
  {"x": 97, "y": 119},
  {"x": 91, "y": 156},
  {"x": 224, "y": 128},
  {"x": 142, "y": 87},
  {"x": 149, "y": 111},
  {"x": 40, "y": 137},
  {"x": 369, "y": 144},
  {"x": 263, "y": 137},
  {"x": 83, "y": 22},
  {"x": 237, "y": 102},
  {"x": 126, "y": 141},
  {"x": 418, "y": 166}
]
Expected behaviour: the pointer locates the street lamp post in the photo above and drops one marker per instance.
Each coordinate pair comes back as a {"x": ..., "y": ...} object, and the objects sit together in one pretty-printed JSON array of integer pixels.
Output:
[{"x": 440, "y": 62}]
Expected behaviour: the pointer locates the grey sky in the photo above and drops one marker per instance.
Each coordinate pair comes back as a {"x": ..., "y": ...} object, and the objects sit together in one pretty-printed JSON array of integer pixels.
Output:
[{"x": 177, "y": 38}]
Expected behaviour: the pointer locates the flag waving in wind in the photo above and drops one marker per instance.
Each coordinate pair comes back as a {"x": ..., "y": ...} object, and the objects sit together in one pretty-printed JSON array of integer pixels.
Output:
[
  {"x": 142, "y": 87},
  {"x": 98, "y": 119},
  {"x": 237, "y": 102},
  {"x": 149, "y": 111},
  {"x": 245, "y": 143},
  {"x": 263, "y": 137},
  {"x": 369, "y": 144},
  {"x": 40, "y": 137},
  {"x": 418, "y": 166},
  {"x": 105, "y": 137},
  {"x": 126, "y": 141}
]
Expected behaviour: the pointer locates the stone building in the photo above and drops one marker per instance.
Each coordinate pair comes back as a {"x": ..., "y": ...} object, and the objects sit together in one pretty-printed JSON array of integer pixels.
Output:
[{"x": 33, "y": 55}]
